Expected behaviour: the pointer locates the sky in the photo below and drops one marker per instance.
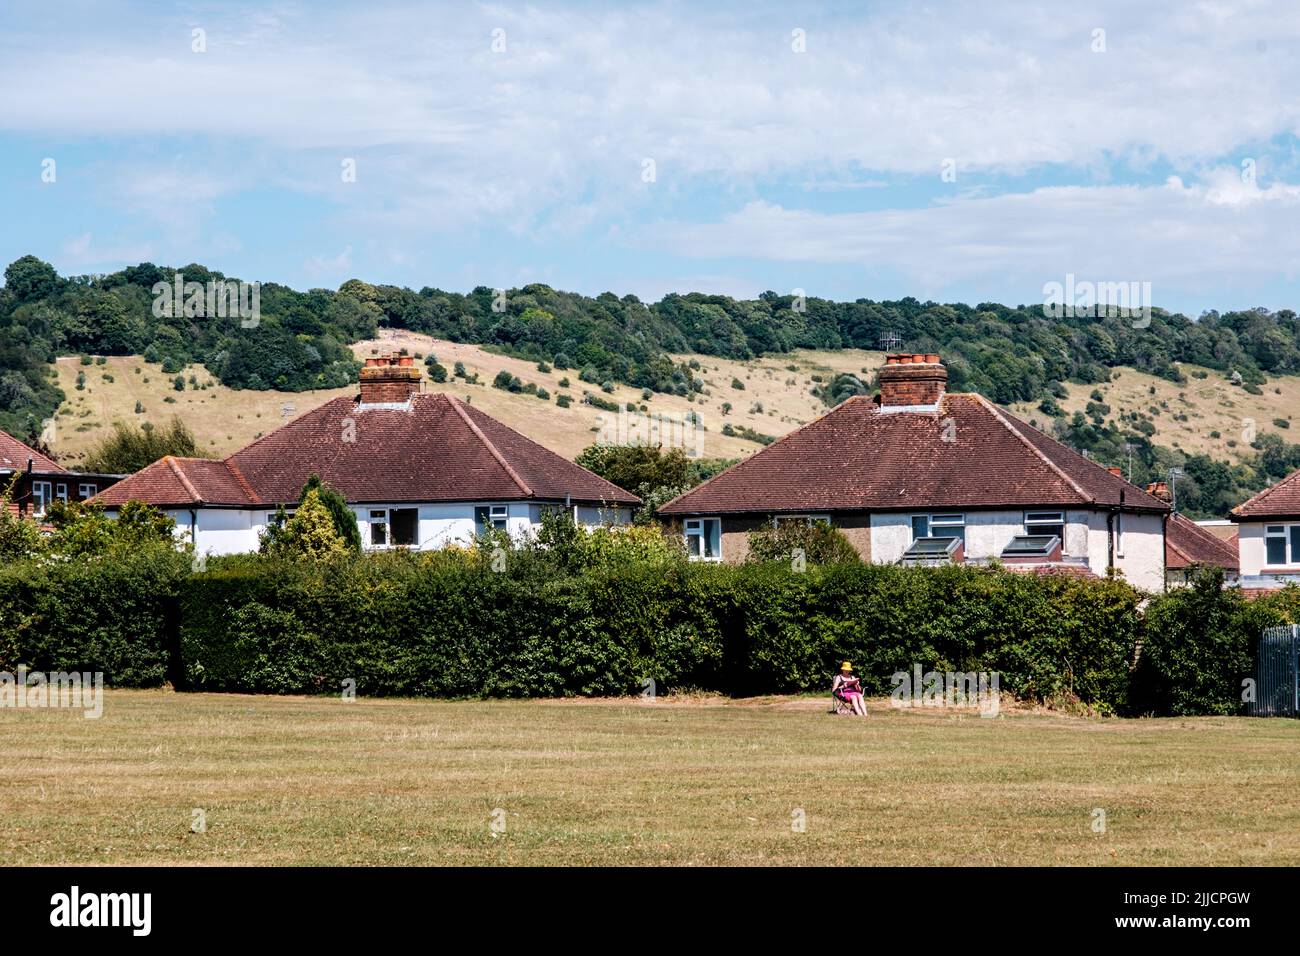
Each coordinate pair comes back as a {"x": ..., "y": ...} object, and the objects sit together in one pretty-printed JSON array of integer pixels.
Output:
[{"x": 948, "y": 151}]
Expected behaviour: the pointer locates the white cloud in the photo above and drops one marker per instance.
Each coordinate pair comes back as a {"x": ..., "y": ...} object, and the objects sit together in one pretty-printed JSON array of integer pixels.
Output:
[{"x": 1222, "y": 232}]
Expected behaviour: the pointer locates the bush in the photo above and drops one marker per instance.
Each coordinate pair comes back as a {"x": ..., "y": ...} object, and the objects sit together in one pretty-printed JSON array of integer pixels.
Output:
[
  {"x": 118, "y": 615},
  {"x": 1200, "y": 644},
  {"x": 819, "y": 543},
  {"x": 624, "y": 607}
]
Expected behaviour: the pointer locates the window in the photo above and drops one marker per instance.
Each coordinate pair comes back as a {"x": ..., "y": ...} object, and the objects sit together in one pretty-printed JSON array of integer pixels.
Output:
[
  {"x": 939, "y": 526},
  {"x": 1119, "y": 534},
  {"x": 1045, "y": 523},
  {"x": 1276, "y": 538},
  {"x": 86, "y": 491},
  {"x": 394, "y": 527},
  {"x": 42, "y": 495},
  {"x": 493, "y": 516},
  {"x": 62, "y": 492},
  {"x": 404, "y": 523},
  {"x": 704, "y": 539}
]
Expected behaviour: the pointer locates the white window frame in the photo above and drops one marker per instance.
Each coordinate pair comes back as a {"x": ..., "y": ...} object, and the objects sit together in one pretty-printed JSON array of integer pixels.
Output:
[
  {"x": 1119, "y": 534},
  {"x": 943, "y": 521},
  {"x": 61, "y": 492},
  {"x": 1290, "y": 544},
  {"x": 42, "y": 497},
  {"x": 1051, "y": 518},
  {"x": 378, "y": 517},
  {"x": 85, "y": 491},
  {"x": 697, "y": 528}
]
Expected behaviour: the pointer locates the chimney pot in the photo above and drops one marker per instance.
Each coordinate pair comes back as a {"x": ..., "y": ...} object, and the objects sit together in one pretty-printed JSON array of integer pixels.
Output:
[
  {"x": 912, "y": 381},
  {"x": 389, "y": 380}
]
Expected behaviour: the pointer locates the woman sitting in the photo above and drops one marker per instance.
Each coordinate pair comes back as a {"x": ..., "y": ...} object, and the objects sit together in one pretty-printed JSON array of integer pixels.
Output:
[{"x": 847, "y": 689}]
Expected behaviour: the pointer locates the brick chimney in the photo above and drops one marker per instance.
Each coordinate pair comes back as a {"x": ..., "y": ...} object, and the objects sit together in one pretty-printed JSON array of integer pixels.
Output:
[
  {"x": 1159, "y": 489},
  {"x": 912, "y": 380},
  {"x": 389, "y": 380},
  {"x": 1116, "y": 471}
]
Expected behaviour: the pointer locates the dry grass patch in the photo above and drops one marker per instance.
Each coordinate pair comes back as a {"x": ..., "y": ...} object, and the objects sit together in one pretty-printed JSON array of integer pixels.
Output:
[{"x": 679, "y": 781}]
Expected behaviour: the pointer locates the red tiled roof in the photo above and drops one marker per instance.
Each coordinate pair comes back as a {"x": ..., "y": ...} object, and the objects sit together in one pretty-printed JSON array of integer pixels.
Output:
[
  {"x": 968, "y": 454},
  {"x": 175, "y": 482},
  {"x": 1187, "y": 543},
  {"x": 1054, "y": 570},
  {"x": 14, "y": 455},
  {"x": 435, "y": 449},
  {"x": 1279, "y": 501}
]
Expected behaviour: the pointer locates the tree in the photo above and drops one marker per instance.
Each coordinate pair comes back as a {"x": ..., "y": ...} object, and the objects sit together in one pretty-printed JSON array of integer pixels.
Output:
[
  {"x": 817, "y": 541},
  {"x": 636, "y": 467},
  {"x": 309, "y": 533},
  {"x": 345, "y": 519},
  {"x": 29, "y": 279},
  {"x": 130, "y": 448},
  {"x": 19, "y": 535}
]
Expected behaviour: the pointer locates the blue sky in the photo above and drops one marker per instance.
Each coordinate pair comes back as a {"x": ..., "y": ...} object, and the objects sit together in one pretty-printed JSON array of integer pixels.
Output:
[{"x": 793, "y": 147}]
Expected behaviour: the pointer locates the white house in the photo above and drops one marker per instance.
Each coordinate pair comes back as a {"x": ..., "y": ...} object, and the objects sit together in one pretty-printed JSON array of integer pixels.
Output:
[
  {"x": 1268, "y": 536},
  {"x": 922, "y": 476},
  {"x": 420, "y": 470}
]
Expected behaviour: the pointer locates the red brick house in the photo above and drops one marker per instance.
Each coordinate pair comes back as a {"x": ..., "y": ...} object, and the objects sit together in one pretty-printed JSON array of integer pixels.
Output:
[
  {"x": 419, "y": 471},
  {"x": 919, "y": 475},
  {"x": 42, "y": 480}
]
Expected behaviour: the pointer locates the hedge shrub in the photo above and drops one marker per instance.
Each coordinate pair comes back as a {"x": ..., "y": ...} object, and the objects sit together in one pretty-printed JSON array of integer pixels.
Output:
[
  {"x": 446, "y": 625},
  {"x": 450, "y": 627},
  {"x": 118, "y": 616}
]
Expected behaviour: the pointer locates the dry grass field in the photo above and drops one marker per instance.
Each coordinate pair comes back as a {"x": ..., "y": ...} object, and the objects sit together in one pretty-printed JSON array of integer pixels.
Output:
[
  {"x": 682, "y": 782},
  {"x": 1207, "y": 415}
]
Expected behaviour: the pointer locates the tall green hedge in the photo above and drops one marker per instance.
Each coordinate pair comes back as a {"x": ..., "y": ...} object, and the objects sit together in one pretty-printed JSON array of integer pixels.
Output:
[
  {"x": 399, "y": 626},
  {"x": 447, "y": 625},
  {"x": 118, "y": 616}
]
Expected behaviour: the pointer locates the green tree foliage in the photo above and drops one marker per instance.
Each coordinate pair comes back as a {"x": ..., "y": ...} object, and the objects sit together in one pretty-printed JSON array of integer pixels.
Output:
[
  {"x": 816, "y": 541},
  {"x": 309, "y": 534},
  {"x": 130, "y": 448},
  {"x": 345, "y": 519}
]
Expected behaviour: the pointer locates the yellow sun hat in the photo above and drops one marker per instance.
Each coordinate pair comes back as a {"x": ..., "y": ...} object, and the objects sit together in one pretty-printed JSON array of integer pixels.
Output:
[{"x": 846, "y": 666}]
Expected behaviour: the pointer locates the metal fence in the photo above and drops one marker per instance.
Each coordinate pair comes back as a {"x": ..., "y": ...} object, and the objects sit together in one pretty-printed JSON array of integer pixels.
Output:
[{"x": 1277, "y": 672}]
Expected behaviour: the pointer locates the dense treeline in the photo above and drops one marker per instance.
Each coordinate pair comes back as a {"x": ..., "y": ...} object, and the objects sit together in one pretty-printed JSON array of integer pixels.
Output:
[{"x": 1006, "y": 353}]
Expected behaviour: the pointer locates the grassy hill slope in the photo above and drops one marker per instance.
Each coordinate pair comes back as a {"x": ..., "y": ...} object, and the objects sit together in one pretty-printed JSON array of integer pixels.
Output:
[{"x": 225, "y": 419}]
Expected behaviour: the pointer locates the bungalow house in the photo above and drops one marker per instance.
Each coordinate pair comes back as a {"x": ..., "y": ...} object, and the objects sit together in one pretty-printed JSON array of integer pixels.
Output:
[
  {"x": 42, "y": 480},
  {"x": 919, "y": 475},
  {"x": 420, "y": 470},
  {"x": 1189, "y": 544},
  {"x": 1268, "y": 536}
]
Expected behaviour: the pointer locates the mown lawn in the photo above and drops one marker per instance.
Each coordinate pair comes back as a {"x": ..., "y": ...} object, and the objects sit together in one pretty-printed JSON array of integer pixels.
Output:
[{"x": 682, "y": 782}]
